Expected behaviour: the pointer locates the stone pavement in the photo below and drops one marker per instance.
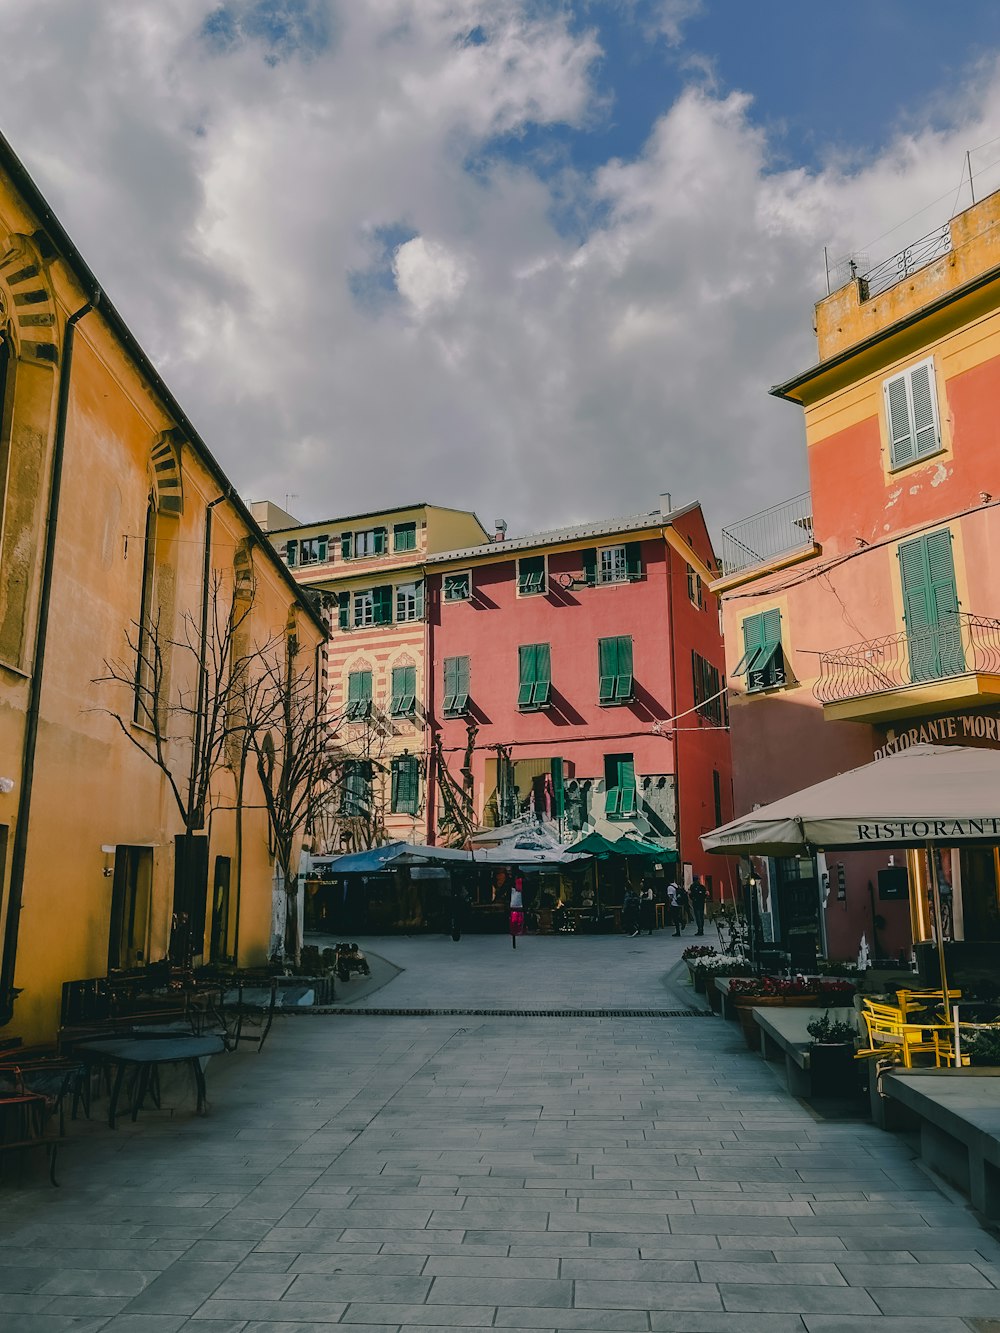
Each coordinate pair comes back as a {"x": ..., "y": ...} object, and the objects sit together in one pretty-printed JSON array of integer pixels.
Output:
[{"x": 409, "y": 1173}]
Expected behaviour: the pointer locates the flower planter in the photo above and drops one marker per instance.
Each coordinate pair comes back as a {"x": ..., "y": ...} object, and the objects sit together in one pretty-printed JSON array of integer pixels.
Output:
[
  {"x": 711, "y": 994},
  {"x": 834, "y": 1072},
  {"x": 699, "y": 978}
]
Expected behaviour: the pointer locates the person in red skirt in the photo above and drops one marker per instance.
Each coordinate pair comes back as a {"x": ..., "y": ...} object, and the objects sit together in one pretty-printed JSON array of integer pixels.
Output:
[{"x": 516, "y": 912}]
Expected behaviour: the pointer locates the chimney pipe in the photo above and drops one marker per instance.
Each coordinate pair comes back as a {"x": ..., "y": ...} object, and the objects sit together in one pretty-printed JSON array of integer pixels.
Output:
[
  {"x": 666, "y": 504},
  {"x": 500, "y": 527}
]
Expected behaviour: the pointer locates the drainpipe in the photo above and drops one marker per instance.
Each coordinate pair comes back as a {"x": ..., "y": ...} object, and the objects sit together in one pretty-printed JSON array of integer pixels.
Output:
[
  {"x": 19, "y": 855},
  {"x": 673, "y": 701}
]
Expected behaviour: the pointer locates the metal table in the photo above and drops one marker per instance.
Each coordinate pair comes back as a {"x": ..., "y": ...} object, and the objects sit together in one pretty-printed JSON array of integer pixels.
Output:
[{"x": 145, "y": 1055}]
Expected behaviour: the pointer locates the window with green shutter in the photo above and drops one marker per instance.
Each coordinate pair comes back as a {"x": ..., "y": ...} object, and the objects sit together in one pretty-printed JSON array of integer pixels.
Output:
[
  {"x": 409, "y": 601},
  {"x": 344, "y": 610},
  {"x": 531, "y": 576},
  {"x": 558, "y": 770},
  {"x": 359, "y": 696},
  {"x": 404, "y": 691},
  {"x": 404, "y": 537},
  {"x": 458, "y": 587},
  {"x": 633, "y": 561},
  {"x": 707, "y": 686},
  {"x": 291, "y": 554},
  {"x": 346, "y": 545},
  {"x": 930, "y": 607},
  {"x": 762, "y": 662},
  {"x": 911, "y": 413},
  {"x": 619, "y": 786},
  {"x": 614, "y": 659},
  {"x": 380, "y": 540},
  {"x": 535, "y": 685},
  {"x": 405, "y": 795},
  {"x": 588, "y": 559},
  {"x": 356, "y": 788},
  {"x": 455, "y": 700}
]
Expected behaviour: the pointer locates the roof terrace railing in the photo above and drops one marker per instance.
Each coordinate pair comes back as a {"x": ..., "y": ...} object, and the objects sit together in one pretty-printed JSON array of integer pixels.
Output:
[
  {"x": 781, "y": 530},
  {"x": 899, "y": 266}
]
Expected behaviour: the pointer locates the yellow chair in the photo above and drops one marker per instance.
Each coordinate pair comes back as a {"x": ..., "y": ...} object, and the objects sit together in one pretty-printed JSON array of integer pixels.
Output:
[{"x": 888, "y": 1032}]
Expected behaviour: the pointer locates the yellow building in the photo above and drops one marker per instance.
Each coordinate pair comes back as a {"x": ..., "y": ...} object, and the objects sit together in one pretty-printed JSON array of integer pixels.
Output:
[
  {"x": 369, "y": 570},
  {"x": 121, "y": 541}
]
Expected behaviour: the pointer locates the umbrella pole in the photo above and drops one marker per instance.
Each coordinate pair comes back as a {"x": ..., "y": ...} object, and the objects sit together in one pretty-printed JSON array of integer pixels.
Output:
[{"x": 939, "y": 924}]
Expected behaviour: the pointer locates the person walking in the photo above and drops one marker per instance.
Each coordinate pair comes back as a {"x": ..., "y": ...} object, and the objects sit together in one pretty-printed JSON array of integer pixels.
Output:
[
  {"x": 516, "y": 913},
  {"x": 647, "y": 908},
  {"x": 678, "y": 899},
  {"x": 630, "y": 913},
  {"x": 698, "y": 894}
]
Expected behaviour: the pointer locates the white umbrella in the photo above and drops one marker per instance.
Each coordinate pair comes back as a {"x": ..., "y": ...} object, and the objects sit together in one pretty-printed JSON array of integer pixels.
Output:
[{"x": 924, "y": 796}]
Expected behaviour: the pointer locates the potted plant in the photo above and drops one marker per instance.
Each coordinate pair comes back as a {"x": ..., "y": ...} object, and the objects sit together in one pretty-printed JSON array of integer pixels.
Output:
[
  {"x": 832, "y": 1066},
  {"x": 983, "y": 1049},
  {"x": 695, "y": 956},
  {"x": 721, "y": 965}
]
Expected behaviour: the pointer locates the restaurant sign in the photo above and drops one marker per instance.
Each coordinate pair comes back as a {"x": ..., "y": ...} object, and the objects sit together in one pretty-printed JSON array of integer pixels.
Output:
[{"x": 975, "y": 728}]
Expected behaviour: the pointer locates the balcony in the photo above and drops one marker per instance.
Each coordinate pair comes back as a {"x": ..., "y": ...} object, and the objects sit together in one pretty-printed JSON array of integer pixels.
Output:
[
  {"x": 954, "y": 664},
  {"x": 774, "y": 534}
]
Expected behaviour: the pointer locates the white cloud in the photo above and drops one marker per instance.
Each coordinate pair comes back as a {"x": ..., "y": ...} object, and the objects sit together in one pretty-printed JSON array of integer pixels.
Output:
[{"x": 482, "y": 358}]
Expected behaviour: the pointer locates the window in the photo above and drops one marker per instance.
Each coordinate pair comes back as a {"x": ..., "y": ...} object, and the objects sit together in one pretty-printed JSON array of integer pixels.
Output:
[
  {"x": 361, "y": 545},
  {"x": 695, "y": 588},
  {"x": 218, "y": 949},
  {"x": 146, "y": 649},
  {"x": 410, "y": 601},
  {"x": 373, "y": 606},
  {"x": 717, "y": 796},
  {"x": 930, "y": 607},
  {"x": 535, "y": 663},
  {"x": 911, "y": 414},
  {"x": 531, "y": 576},
  {"x": 313, "y": 550},
  {"x": 456, "y": 686},
  {"x": 292, "y": 553},
  {"x": 615, "y": 670},
  {"x": 405, "y": 793},
  {"x": 621, "y": 564},
  {"x": 619, "y": 786},
  {"x": 359, "y": 696},
  {"x": 404, "y": 691},
  {"x": 707, "y": 686},
  {"x": 458, "y": 587},
  {"x": 356, "y": 788},
  {"x": 762, "y": 662},
  {"x": 131, "y": 895},
  {"x": 404, "y": 537}
]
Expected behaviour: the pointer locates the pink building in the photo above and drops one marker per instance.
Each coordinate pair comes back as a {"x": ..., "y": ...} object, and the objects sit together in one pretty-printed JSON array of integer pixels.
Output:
[{"x": 558, "y": 663}]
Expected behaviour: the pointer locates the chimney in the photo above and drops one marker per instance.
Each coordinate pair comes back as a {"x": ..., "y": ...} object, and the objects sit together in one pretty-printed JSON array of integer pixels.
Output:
[
  {"x": 665, "y": 503},
  {"x": 500, "y": 524}
]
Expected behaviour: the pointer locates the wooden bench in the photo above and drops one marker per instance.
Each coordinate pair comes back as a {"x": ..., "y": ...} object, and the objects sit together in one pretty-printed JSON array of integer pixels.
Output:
[{"x": 958, "y": 1115}]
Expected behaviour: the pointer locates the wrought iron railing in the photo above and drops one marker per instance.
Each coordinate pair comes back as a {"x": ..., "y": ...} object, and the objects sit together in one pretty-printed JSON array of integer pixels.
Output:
[
  {"x": 901, "y": 265},
  {"x": 963, "y": 643},
  {"x": 780, "y": 530}
]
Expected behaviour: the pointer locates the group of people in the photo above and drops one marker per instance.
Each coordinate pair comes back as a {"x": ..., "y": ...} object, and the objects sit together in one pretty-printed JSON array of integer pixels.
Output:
[{"x": 684, "y": 904}]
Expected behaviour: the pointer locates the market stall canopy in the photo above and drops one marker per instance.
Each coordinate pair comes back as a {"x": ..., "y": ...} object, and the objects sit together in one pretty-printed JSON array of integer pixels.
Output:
[
  {"x": 524, "y": 835},
  {"x": 595, "y": 844},
  {"x": 946, "y": 794},
  {"x": 398, "y": 854}
]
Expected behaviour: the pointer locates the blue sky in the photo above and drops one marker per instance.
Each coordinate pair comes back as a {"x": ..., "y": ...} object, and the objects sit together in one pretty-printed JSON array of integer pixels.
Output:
[{"x": 541, "y": 258}]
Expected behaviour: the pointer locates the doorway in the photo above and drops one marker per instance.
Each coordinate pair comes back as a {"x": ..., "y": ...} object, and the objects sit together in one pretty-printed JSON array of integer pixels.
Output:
[{"x": 131, "y": 896}]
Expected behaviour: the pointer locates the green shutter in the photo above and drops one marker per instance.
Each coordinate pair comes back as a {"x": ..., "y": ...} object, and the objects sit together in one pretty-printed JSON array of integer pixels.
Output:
[
  {"x": 607, "y": 668},
  {"x": 462, "y": 701},
  {"x": 420, "y": 600},
  {"x": 623, "y": 685},
  {"x": 531, "y": 575},
  {"x": 404, "y": 537},
  {"x": 897, "y": 411},
  {"x": 626, "y": 785},
  {"x": 753, "y": 642},
  {"x": 322, "y": 547},
  {"x": 930, "y": 607},
  {"x": 589, "y": 560},
  {"x": 359, "y": 694},
  {"x": 379, "y": 540},
  {"x": 456, "y": 686},
  {"x": 345, "y": 545},
  {"x": 344, "y": 610},
  {"x": 290, "y": 553},
  {"x": 633, "y": 560},
  {"x": 382, "y": 605},
  {"x": 404, "y": 691},
  {"x": 558, "y": 788},
  {"x": 543, "y": 675},
  {"x": 526, "y": 655}
]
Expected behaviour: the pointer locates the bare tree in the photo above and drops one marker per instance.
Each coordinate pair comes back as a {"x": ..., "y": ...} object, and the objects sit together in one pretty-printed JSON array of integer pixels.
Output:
[
  {"x": 298, "y": 765},
  {"x": 186, "y": 693},
  {"x": 457, "y": 820}
]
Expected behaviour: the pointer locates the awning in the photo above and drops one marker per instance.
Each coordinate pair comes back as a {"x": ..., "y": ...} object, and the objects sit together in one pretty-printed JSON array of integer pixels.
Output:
[
  {"x": 945, "y": 794},
  {"x": 398, "y": 854},
  {"x": 595, "y": 844}
]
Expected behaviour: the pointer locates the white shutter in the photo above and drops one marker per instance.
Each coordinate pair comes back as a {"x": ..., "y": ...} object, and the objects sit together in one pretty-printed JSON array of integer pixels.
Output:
[
  {"x": 897, "y": 416},
  {"x": 925, "y": 427}
]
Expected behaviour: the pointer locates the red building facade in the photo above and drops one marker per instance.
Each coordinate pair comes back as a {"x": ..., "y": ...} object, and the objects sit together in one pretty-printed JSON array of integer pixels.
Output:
[{"x": 577, "y": 677}]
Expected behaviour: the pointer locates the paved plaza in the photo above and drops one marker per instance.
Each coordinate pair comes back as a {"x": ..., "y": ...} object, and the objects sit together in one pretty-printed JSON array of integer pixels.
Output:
[{"x": 447, "y": 1173}]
